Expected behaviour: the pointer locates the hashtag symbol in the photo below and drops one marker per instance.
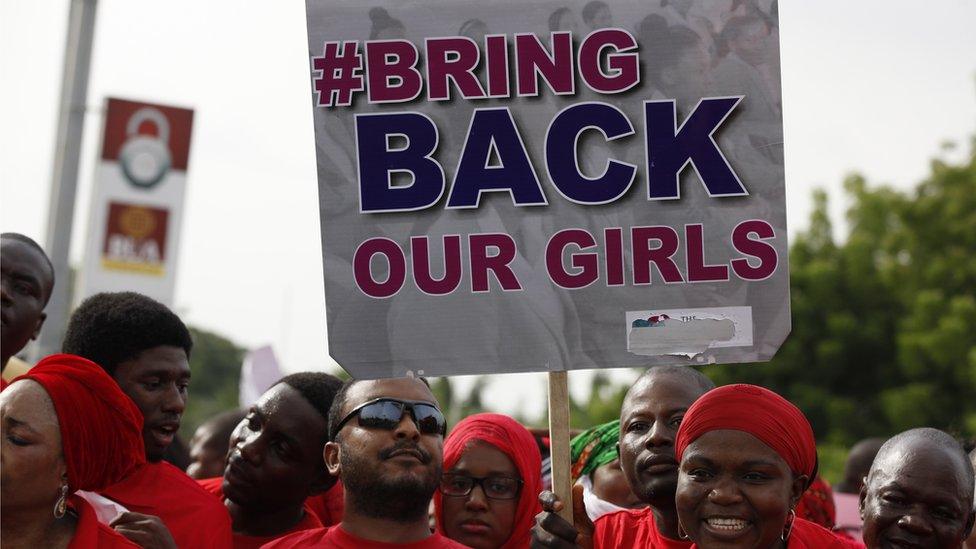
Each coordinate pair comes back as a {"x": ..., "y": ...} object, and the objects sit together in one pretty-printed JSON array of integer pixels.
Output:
[{"x": 339, "y": 73}]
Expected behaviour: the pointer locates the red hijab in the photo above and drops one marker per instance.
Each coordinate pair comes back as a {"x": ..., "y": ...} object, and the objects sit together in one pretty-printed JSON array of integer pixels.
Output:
[
  {"x": 101, "y": 428},
  {"x": 517, "y": 443},
  {"x": 757, "y": 411}
]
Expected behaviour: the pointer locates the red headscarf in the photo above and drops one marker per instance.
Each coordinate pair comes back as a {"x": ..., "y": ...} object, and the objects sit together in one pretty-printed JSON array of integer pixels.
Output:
[
  {"x": 757, "y": 411},
  {"x": 101, "y": 428},
  {"x": 517, "y": 443},
  {"x": 817, "y": 504}
]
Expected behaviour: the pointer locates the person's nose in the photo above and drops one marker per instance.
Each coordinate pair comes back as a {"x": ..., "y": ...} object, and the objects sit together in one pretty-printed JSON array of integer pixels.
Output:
[
  {"x": 725, "y": 491},
  {"x": 477, "y": 501},
  {"x": 660, "y": 435},
  {"x": 407, "y": 428},
  {"x": 250, "y": 448},
  {"x": 4, "y": 294},
  {"x": 916, "y": 524},
  {"x": 174, "y": 401}
]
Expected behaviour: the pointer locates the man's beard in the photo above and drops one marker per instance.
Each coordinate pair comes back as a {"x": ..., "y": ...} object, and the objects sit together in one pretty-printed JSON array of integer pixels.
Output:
[{"x": 404, "y": 498}]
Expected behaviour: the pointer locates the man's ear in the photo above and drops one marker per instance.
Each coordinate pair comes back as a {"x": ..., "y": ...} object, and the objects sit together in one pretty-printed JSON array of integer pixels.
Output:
[
  {"x": 63, "y": 469},
  {"x": 331, "y": 455},
  {"x": 862, "y": 497},
  {"x": 39, "y": 325}
]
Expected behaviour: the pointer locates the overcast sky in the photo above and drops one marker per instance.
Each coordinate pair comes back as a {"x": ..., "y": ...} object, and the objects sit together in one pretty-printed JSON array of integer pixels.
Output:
[{"x": 873, "y": 86}]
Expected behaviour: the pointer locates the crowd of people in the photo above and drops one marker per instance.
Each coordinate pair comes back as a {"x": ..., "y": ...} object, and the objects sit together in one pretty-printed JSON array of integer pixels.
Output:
[{"x": 318, "y": 462}]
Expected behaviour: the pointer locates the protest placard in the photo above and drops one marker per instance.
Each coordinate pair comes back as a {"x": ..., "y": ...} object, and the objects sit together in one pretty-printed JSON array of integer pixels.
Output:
[
  {"x": 514, "y": 187},
  {"x": 511, "y": 187}
]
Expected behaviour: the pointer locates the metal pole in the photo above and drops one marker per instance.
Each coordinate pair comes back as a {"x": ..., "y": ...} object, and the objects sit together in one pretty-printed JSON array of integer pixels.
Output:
[{"x": 61, "y": 207}]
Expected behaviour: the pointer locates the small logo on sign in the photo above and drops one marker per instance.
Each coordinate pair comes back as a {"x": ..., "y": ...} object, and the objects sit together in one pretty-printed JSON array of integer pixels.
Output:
[
  {"x": 146, "y": 158},
  {"x": 652, "y": 321},
  {"x": 135, "y": 239}
]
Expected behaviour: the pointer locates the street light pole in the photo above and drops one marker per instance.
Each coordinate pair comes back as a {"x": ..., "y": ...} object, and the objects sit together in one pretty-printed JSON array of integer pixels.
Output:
[{"x": 64, "y": 184}]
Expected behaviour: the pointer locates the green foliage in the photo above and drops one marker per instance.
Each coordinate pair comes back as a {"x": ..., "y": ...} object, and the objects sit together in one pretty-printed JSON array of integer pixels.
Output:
[
  {"x": 832, "y": 458},
  {"x": 601, "y": 405},
  {"x": 884, "y": 324},
  {"x": 456, "y": 408}
]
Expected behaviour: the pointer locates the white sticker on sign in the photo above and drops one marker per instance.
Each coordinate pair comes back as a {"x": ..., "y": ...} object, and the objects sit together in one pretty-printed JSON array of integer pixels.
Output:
[{"x": 687, "y": 332}]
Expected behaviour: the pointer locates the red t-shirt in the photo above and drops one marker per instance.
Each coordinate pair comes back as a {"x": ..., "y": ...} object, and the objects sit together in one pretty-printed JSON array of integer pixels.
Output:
[
  {"x": 90, "y": 533},
  {"x": 328, "y": 506},
  {"x": 340, "y": 539},
  {"x": 808, "y": 535},
  {"x": 194, "y": 517},
  {"x": 632, "y": 528},
  {"x": 241, "y": 541}
]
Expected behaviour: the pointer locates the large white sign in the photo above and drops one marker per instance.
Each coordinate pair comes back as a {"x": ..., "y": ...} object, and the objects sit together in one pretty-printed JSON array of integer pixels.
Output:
[
  {"x": 137, "y": 201},
  {"x": 511, "y": 186}
]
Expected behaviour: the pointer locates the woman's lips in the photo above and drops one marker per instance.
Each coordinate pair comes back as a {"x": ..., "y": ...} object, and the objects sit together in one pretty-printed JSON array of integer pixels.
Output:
[{"x": 475, "y": 527}]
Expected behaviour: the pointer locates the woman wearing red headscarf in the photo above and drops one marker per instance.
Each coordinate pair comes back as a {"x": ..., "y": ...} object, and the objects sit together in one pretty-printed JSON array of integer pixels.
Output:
[
  {"x": 489, "y": 493},
  {"x": 747, "y": 455},
  {"x": 66, "y": 426}
]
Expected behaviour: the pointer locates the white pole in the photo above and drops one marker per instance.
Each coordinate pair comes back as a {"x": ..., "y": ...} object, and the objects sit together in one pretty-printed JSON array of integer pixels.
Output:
[{"x": 61, "y": 207}]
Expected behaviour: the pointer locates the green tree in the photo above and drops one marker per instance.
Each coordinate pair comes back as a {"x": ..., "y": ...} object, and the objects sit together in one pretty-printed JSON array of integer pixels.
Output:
[
  {"x": 884, "y": 323},
  {"x": 454, "y": 406}
]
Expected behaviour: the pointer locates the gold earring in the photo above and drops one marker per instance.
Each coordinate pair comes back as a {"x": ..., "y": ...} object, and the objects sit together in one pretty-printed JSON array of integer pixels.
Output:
[
  {"x": 61, "y": 506},
  {"x": 789, "y": 526}
]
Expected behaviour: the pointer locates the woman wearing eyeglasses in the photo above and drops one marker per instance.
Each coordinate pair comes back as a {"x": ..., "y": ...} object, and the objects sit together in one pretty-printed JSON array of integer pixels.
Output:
[
  {"x": 488, "y": 496},
  {"x": 746, "y": 456}
]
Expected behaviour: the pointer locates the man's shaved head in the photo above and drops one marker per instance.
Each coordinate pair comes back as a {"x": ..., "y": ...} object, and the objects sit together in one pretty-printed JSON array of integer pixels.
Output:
[
  {"x": 904, "y": 444},
  {"x": 919, "y": 492},
  {"x": 686, "y": 374}
]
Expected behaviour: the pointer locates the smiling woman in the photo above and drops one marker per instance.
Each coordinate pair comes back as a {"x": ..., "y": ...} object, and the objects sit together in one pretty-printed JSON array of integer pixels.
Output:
[{"x": 747, "y": 455}]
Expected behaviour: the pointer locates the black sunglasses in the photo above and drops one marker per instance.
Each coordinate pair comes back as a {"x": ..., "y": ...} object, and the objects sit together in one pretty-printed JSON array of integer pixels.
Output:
[{"x": 386, "y": 413}]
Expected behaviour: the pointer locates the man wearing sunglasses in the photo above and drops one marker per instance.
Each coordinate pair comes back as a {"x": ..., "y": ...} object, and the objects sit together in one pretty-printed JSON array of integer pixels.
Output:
[{"x": 387, "y": 444}]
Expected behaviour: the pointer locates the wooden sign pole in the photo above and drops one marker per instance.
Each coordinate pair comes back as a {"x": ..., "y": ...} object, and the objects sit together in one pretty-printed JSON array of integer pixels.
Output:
[{"x": 559, "y": 441}]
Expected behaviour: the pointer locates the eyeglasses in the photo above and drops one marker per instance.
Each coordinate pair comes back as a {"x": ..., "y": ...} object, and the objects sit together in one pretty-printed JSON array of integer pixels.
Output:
[
  {"x": 386, "y": 413},
  {"x": 495, "y": 487}
]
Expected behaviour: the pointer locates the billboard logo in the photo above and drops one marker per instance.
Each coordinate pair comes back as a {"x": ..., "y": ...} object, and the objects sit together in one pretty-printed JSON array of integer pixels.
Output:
[
  {"x": 146, "y": 158},
  {"x": 135, "y": 239}
]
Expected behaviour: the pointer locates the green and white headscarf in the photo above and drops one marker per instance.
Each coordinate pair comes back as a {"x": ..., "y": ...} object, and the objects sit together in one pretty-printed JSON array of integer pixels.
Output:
[{"x": 593, "y": 448}]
